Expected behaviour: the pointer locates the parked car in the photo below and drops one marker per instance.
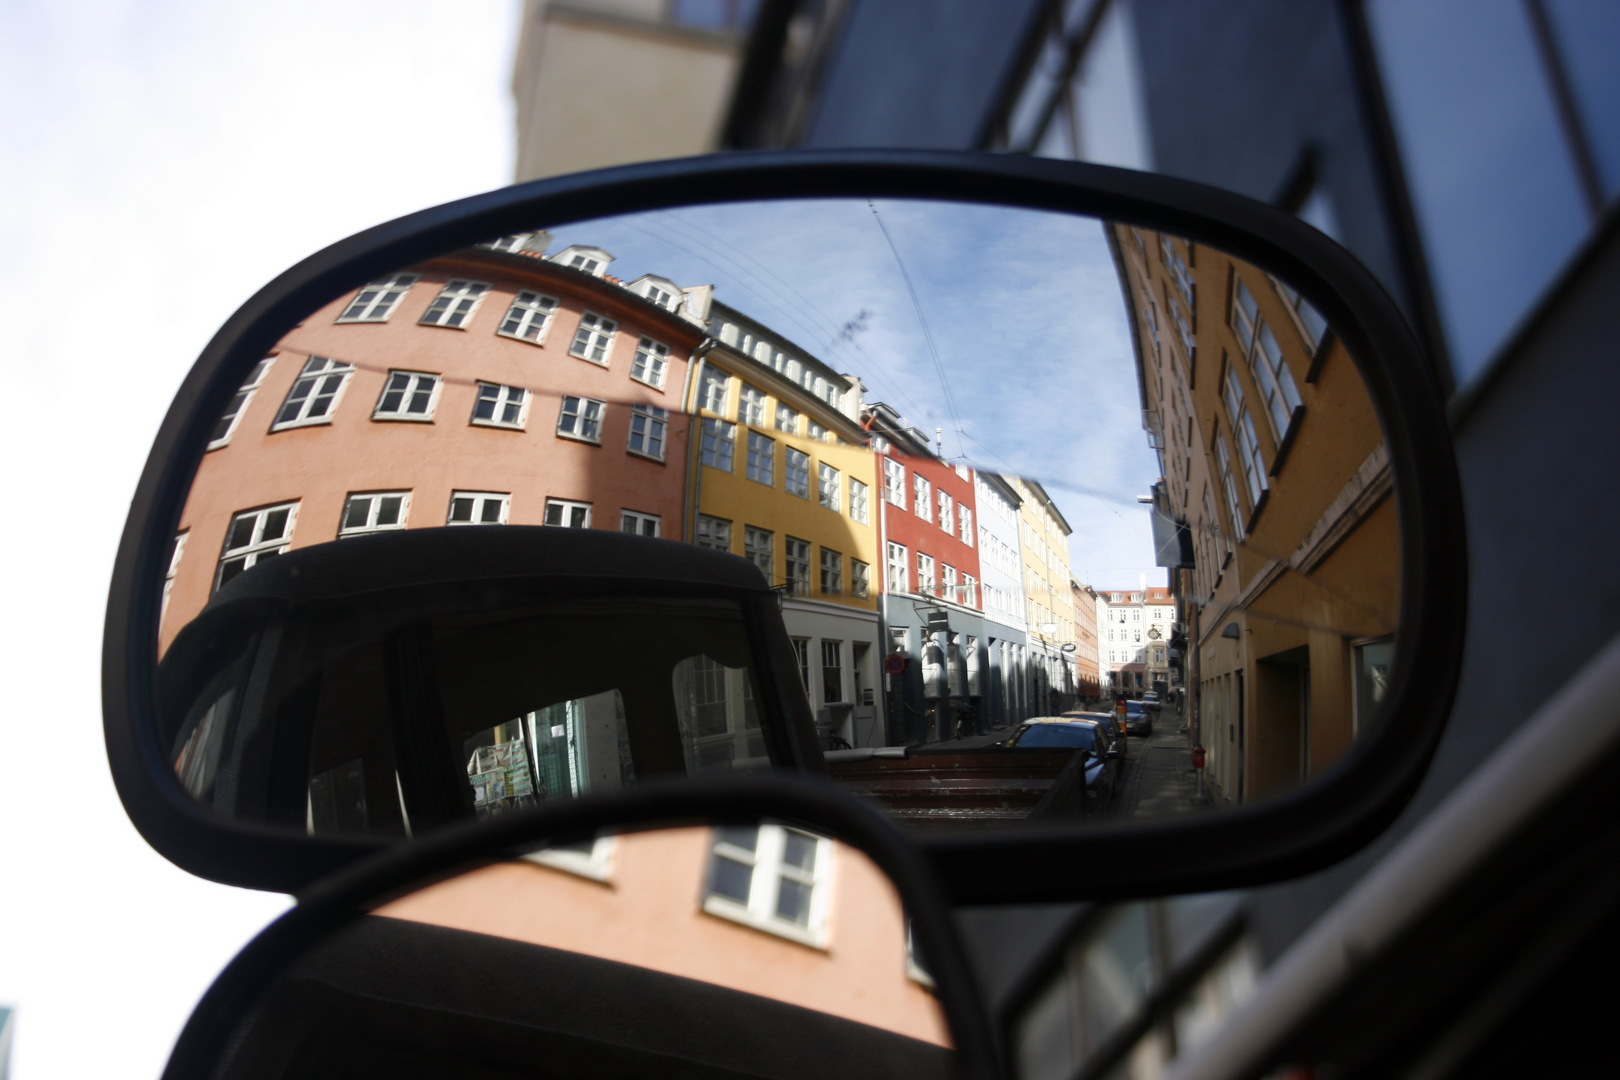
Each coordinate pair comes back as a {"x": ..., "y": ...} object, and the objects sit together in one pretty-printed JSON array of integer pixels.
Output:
[
  {"x": 1137, "y": 719},
  {"x": 1092, "y": 735},
  {"x": 1112, "y": 719},
  {"x": 1151, "y": 702}
]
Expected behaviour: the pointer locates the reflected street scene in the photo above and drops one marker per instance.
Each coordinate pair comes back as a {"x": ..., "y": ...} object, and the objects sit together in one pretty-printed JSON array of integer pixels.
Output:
[{"x": 998, "y": 516}]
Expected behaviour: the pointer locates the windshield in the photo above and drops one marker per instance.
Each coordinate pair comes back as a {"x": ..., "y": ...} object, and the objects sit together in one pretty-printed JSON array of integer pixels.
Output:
[{"x": 1081, "y": 736}]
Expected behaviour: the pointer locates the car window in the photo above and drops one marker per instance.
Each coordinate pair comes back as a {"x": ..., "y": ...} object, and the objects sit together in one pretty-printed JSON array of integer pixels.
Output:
[{"x": 1081, "y": 736}]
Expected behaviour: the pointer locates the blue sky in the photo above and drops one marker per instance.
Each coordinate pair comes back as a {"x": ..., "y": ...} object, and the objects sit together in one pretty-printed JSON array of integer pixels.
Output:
[{"x": 1034, "y": 371}]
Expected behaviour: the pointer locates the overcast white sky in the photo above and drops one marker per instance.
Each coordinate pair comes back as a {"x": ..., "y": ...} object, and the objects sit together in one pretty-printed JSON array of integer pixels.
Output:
[{"x": 159, "y": 161}]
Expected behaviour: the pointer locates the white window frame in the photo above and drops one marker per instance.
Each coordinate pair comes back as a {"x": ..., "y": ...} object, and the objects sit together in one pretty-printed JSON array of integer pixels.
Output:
[
  {"x": 947, "y": 512},
  {"x": 712, "y": 533},
  {"x": 964, "y": 515},
  {"x": 480, "y": 499},
  {"x": 638, "y": 522},
  {"x": 718, "y": 436},
  {"x": 504, "y": 396},
  {"x": 761, "y": 464},
  {"x": 232, "y": 416},
  {"x": 528, "y": 317},
  {"x": 753, "y": 550},
  {"x": 832, "y": 570},
  {"x": 796, "y": 473},
  {"x": 411, "y": 388},
  {"x": 595, "y": 865},
  {"x": 594, "y": 334},
  {"x": 922, "y": 496},
  {"x": 177, "y": 551},
  {"x": 860, "y": 579},
  {"x": 564, "y": 508},
  {"x": 651, "y": 423},
  {"x": 372, "y": 512},
  {"x": 828, "y": 483},
  {"x": 767, "y": 870},
  {"x": 970, "y": 591},
  {"x": 894, "y": 483},
  {"x": 860, "y": 501},
  {"x": 587, "y": 412},
  {"x": 787, "y": 419},
  {"x": 456, "y": 304},
  {"x": 898, "y": 568},
  {"x": 714, "y": 392},
  {"x": 258, "y": 547},
  {"x": 651, "y": 362},
  {"x": 751, "y": 405},
  {"x": 948, "y": 583},
  {"x": 368, "y": 306},
  {"x": 317, "y": 380},
  {"x": 796, "y": 557},
  {"x": 927, "y": 579}
]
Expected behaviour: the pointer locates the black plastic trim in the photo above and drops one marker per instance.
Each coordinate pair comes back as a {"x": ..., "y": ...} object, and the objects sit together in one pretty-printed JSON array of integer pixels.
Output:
[
  {"x": 816, "y": 805},
  {"x": 1340, "y": 811}
]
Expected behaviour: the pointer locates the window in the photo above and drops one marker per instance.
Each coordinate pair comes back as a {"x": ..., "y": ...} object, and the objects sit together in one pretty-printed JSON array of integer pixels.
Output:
[
  {"x": 798, "y": 566},
  {"x": 828, "y": 483},
  {"x": 1248, "y": 445},
  {"x": 921, "y": 497},
  {"x": 758, "y": 548},
  {"x": 226, "y": 427},
  {"x": 772, "y": 878},
  {"x": 719, "y": 439},
  {"x": 715, "y": 391},
  {"x": 925, "y": 574},
  {"x": 377, "y": 511},
  {"x": 948, "y": 583},
  {"x": 593, "y": 338},
  {"x": 569, "y": 515},
  {"x": 500, "y": 406},
  {"x": 712, "y": 533},
  {"x": 947, "y": 513},
  {"x": 860, "y": 579},
  {"x": 314, "y": 394},
  {"x": 254, "y": 536},
  {"x": 176, "y": 550},
  {"x": 591, "y": 859},
  {"x": 761, "y": 458},
  {"x": 661, "y": 297},
  {"x": 478, "y": 508},
  {"x": 970, "y": 591},
  {"x": 751, "y": 406},
  {"x": 858, "y": 502},
  {"x": 650, "y": 363},
  {"x": 967, "y": 524},
  {"x": 455, "y": 303},
  {"x": 1277, "y": 390},
  {"x": 832, "y": 672},
  {"x": 832, "y": 576},
  {"x": 894, "y": 483},
  {"x": 376, "y": 301},
  {"x": 529, "y": 317},
  {"x": 786, "y": 419},
  {"x": 796, "y": 475},
  {"x": 581, "y": 418},
  {"x": 638, "y": 524},
  {"x": 898, "y": 569},
  {"x": 817, "y": 432},
  {"x": 407, "y": 395},
  {"x": 648, "y": 423}
]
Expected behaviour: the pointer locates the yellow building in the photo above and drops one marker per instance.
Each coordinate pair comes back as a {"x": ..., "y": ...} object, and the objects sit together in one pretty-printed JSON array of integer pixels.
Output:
[
  {"x": 1272, "y": 456},
  {"x": 780, "y": 473},
  {"x": 1048, "y": 600}
]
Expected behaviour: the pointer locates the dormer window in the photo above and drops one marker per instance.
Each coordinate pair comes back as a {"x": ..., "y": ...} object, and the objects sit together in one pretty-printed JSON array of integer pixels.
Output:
[
  {"x": 588, "y": 260},
  {"x": 661, "y": 291}
]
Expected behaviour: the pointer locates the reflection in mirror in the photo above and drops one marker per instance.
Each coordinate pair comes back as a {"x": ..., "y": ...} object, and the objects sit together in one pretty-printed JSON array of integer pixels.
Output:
[
  {"x": 759, "y": 950},
  {"x": 1016, "y": 516}
]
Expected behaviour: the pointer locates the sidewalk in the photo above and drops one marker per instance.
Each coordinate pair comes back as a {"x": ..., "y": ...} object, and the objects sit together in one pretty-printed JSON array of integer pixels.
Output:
[{"x": 1160, "y": 780}]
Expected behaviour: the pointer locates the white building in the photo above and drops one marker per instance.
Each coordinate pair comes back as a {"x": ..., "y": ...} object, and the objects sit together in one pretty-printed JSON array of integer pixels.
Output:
[{"x": 1002, "y": 570}]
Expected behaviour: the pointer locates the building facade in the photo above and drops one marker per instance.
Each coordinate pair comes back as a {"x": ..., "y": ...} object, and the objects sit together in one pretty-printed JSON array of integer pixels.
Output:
[
  {"x": 1002, "y": 596},
  {"x": 780, "y": 474},
  {"x": 1048, "y": 602},
  {"x": 1088, "y": 685}
]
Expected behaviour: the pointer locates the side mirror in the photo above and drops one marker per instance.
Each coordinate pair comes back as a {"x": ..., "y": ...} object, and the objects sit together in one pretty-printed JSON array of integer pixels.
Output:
[
  {"x": 723, "y": 928},
  {"x": 772, "y": 447}
]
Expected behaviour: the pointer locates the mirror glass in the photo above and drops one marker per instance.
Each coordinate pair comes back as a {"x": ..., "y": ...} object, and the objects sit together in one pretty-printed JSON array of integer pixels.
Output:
[
  {"x": 1012, "y": 516},
  {"x": 761, "y": 950}
]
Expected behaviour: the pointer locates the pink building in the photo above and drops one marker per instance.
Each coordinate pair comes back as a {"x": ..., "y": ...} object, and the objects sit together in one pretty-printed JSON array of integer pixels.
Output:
[{"x": 488, "y": 386}]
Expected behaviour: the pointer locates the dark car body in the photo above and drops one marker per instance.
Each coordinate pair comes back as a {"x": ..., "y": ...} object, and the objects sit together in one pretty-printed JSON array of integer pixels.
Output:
[
  {"x": 1109, "y": 718},
  {"x": 1096, "y": 737},
  {"x": 1138, "y": 721}
]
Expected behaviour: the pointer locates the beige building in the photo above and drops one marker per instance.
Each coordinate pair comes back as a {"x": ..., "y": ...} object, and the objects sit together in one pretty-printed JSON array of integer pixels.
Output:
[
  {"x": 1087, "y": 670},
  {"x": 1272, "y": 458},
  {"x": 1048, "y": 601},
  {"x": 608, "y": 82}
]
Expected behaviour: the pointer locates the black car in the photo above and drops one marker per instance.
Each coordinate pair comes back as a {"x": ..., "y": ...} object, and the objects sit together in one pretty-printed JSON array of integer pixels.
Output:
[
  {"x": 1095, "y": 736},
  {"x": 1138, "y": 721}
]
